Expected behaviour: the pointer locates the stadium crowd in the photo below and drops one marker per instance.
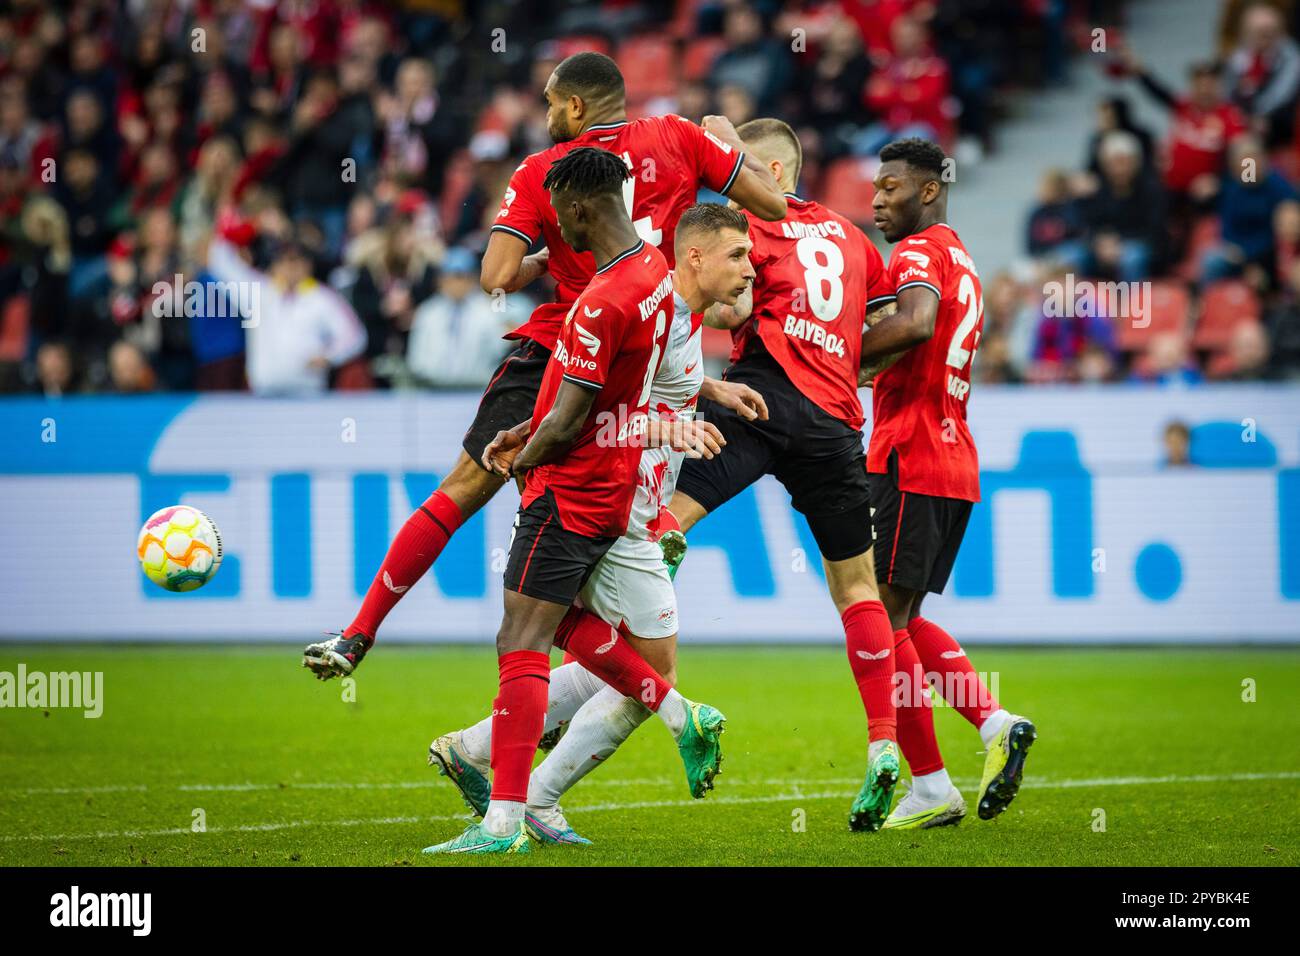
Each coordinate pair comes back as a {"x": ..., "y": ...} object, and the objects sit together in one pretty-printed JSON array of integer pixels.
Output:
[{"x": 356, "y": 151}]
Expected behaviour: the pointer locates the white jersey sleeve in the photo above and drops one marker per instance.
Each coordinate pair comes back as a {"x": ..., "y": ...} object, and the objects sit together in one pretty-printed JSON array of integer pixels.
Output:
[{"x": 674, "y": 393}]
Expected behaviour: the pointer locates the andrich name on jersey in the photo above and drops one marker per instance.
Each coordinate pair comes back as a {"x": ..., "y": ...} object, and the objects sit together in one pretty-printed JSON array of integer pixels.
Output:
[
  {"x": 811, "y": 331},
  {"x": 798, "y": 230},
  {"x": 651, "y": 302}
]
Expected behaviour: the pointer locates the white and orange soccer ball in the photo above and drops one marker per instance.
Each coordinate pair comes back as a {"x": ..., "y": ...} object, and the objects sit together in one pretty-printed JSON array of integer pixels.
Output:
[{"x": 179, "y": 548}]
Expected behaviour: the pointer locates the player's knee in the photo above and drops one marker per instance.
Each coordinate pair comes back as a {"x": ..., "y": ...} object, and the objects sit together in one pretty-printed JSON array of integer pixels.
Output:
[
  {"x": 898, "y": 604},
  {"x": 469, "y": 485}
]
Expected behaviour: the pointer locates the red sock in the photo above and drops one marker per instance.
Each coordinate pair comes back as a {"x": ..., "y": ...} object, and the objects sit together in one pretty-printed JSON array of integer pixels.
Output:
[
  {"x": 870, "y": 642},
  {"x": 418, "y": 543},
  {"x": 960, "y": 684},
  {"x": 915, "y": 710},
  {"x": 518, "y": 718},
  {"x": 601, "y": 649}
]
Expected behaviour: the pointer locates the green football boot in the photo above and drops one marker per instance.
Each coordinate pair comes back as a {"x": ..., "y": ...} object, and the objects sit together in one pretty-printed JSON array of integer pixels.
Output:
[
  {"x": 871, "y": 805},
  {"x": 700, "y": 746},
  {"x": 1004, "y": 766},
  {"x": 470, "y": 779},
  {"x": 477, "y": 840},
  {"x": 673, "y": 545}
]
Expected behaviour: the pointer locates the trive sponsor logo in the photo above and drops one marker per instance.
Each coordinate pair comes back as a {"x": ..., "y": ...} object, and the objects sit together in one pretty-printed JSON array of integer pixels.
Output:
[
  {"x": 75, "y": 908},
  {"x": 568, "y": 360},
  {"x": 811, "y": 331}
]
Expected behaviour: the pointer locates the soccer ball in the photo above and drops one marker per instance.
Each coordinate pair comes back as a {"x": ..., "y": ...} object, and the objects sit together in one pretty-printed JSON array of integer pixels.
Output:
[{"x": 179, "y": 548}]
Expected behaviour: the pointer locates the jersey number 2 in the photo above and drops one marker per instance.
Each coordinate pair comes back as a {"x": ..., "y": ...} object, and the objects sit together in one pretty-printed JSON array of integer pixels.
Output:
[{"x": 958, "y": 355}]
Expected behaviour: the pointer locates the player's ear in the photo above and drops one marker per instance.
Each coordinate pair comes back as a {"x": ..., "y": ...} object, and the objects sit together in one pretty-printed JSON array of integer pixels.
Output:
[{"x": 930, "y": 191}]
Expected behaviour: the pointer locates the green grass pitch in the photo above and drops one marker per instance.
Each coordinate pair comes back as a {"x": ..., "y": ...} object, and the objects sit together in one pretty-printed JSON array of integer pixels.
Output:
[{"x": 1157, "y": 744}]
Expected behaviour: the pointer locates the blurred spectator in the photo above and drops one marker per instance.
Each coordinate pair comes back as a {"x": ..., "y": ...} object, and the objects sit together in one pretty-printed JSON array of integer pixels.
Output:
[
  {"x": 1247, "y": 356},
  {"x": 128, "y": 370},
  {"x": 1055, "y": 220},
  {"x": 419, "y": 130},
  {"x": 1123, "y": 219},
  {"x": 297, "y": 330},
  {"x": 1250, "y": 193},
  {"x": 757, "y": 64},
  {"x": 1177, "y": 439},
  {"x": 1167, "y": 362},
  {"x": 830, "y": 90},
  {"x": 1061, "y": 341},
  {"x": 396, "y": 271},
  {"x": 1263, "y": 73},
  {"x": 1114, "y": 115},
  {"x": 908, "y": 93},
  {"x": 456, "y": 337},
  {"x": 55, "y": 372},
  {"x": 1286, "y": 240},
  {"x": 1283, "y": 323}
]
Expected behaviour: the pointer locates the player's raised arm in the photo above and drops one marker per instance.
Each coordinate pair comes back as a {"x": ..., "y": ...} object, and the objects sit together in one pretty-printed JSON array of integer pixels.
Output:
[
  {"x": 755, "y": 188},
  {"x": 506, "y": 265}
]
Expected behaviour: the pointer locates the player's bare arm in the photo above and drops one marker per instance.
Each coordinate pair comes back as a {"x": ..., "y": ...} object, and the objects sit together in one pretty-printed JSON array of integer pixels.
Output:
[
  {"x": 737, "y": 396},
  {"x": 868, "y": 372},
  {"x": 507, "y": 266},
  {"x": 558, "y": 429},
  {"x": 756, "y": 189},
  {"x": 911, "y": 324},
  {"x": 723, "y": 316}
]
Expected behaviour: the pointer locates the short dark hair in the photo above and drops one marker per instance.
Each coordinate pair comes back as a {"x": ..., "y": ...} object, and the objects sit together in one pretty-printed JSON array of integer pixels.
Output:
[
  {"x": 920, "y": 154},
  {"x": 711, "y": 217},
  {"x": 592, "y": 76},
  {"x": 758, "y": 132},
  {"x": 587, "y": 170}
]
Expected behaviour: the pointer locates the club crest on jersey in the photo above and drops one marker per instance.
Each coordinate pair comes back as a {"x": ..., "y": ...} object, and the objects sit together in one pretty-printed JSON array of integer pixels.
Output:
[{"x": 589, "y": 341}]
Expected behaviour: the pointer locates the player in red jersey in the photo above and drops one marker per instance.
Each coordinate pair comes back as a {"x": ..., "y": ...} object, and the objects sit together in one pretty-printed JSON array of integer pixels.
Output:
[
  {"x": 580, "y": 465},
  {"x": 670, "y": 159},
  {"x": 924, "y": 475},
  {"x": 797, "y": 345}
]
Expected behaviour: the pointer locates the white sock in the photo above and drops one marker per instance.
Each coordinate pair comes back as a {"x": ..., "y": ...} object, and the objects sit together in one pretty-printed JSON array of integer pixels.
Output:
[
  {"x": 596, "y": 731},
  {"x": 503, "y": 817},
  {"x": 572, "y": 685},
  {"x": 992, "y": 726},
  {"x": 932, "y": 787},
  {"x": 673, "y": 712}
]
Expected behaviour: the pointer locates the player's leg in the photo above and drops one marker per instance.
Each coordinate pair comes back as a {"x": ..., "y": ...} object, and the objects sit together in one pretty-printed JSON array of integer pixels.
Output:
[
  {"x": 464, "y": 756},
  {"x": 545, "y": 571},
  {"x": 506, "y": 402}
]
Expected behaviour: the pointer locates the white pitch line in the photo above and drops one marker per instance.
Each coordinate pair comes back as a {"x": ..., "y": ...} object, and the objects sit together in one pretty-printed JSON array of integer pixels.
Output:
[{"x": 645, "y": 805}]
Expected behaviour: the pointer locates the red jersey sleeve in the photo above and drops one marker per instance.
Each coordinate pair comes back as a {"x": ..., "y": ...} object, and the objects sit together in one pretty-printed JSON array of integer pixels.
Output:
[
  {"x": 715, "y": 163},
  {"x": 520, "y": 215},
  {"x": 917, "y": 262},
  {"x": 591, "y": 339}
]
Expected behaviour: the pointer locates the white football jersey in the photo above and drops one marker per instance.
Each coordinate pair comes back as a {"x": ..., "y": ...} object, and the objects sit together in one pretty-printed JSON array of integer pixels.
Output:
[{"x": 673, "y": 395}]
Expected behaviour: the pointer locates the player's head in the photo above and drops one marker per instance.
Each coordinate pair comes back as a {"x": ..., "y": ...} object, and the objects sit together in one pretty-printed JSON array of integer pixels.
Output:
[
  {"x": 585, "y": 88},
  {"x": 776, "y": 145},
  {"x": 586, "y": 187},
  {"x": 712, "y": 246},
  {"x": 910, "y": 190}
]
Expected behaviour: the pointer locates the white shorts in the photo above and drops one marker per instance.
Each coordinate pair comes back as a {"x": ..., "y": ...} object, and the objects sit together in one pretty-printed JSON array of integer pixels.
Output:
[{"x": 630, "y": 588}]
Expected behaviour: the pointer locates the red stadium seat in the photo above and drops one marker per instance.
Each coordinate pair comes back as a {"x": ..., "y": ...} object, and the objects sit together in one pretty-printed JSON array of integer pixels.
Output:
[
  {"x": 1204, "y": 234},
  {"x": 1224, "y": 306},
  {"x": 14, "y": 321},
  {"x": 847, "y": 189},
  {"x": 649, "y": 65},
  {"x": 699, "y": 56},
  {"x": 1166, "y": 311}
]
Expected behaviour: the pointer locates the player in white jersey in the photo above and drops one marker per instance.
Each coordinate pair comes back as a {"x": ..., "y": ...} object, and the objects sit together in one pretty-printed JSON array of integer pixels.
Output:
[{"x": 630, "y": 588}]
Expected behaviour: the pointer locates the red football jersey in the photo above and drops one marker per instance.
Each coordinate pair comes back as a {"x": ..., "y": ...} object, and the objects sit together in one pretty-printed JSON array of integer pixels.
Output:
[
  {"x": 920, "y": 401},
  {"x": 612, "y": 341},
  {"x": 817, "y": 275},
  {"x": 670, "y": 159}
]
